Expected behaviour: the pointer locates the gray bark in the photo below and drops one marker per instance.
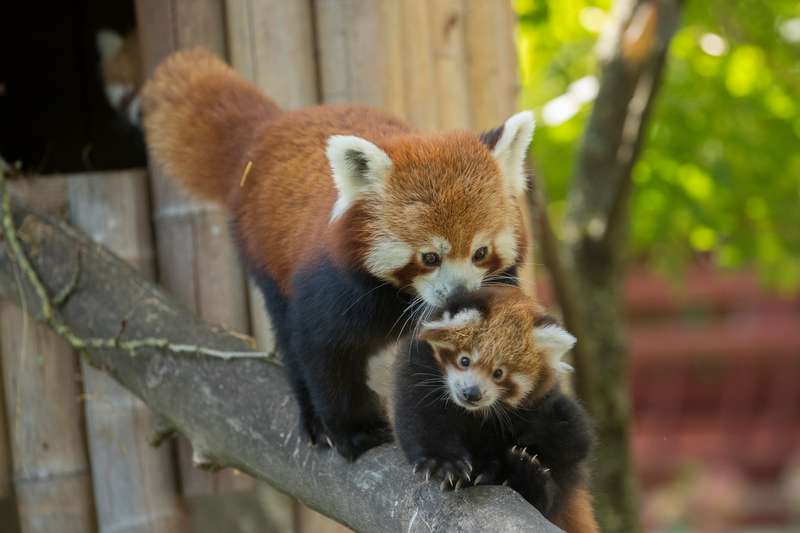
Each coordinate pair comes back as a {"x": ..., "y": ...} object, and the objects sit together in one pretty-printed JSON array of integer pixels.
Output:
[
  {"x": 240, "y": 412},
  {"x": 588, "y": 268}
]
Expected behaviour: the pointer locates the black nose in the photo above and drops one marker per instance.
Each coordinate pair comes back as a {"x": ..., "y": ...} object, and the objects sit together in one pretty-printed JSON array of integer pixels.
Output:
[
  {"x": 473, "y": 394},
  {"x": 458, "y": 289}
]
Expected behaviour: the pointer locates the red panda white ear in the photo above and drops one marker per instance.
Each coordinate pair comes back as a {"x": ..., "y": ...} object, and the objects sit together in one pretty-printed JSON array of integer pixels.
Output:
[
  {"x": 358, "y": 165},
  {"x": 510, "y": 150},
  {"x": 554, "y": 341},
  {"x": 463, "y": 319}
]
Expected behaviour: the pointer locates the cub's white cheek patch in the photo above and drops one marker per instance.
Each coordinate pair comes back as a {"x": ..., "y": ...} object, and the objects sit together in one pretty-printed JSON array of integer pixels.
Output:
[
  {"x": 524, "y": 385},
  {"x": 554, "y": 341},
  {"x": 462, "y": 319}
]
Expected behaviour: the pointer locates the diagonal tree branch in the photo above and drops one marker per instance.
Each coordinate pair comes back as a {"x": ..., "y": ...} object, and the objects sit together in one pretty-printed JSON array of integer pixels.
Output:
[{"x": 237, "y": 412}]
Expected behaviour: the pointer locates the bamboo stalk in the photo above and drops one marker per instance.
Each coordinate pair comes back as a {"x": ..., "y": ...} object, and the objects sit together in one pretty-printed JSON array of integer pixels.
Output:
[
  {"x": 197, "y": 259},
  {"x": 135, "y": 485},
  {"x": 42, "y": 385}
]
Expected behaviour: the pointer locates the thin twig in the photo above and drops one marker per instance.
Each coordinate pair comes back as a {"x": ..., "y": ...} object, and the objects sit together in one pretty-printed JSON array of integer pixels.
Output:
[
  {"x": 67, "y": 291},
  {"x": 48, "y": 318}
]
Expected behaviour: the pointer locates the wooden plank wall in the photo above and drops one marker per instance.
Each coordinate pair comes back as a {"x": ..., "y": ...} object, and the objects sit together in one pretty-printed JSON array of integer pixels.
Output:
[
  {"x": 197, "y": 260},
  {"x": 135, "y": 485},
  {"x": 41, "y": 381}
]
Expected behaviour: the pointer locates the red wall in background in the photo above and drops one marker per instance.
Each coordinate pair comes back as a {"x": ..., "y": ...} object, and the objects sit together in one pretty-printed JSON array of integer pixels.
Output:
[{"x": 715, "y": 391}]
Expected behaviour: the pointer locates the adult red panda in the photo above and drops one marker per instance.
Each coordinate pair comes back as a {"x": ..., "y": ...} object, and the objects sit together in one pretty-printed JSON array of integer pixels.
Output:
[
  {"x": 474, "y": 399},
  {"x": 352, "y": 223}
]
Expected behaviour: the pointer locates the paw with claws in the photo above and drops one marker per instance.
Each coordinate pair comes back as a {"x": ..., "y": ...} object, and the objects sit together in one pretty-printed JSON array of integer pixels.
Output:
[
  {"x": 530, "y": 478},
  {"x": 454, "y": 473}
]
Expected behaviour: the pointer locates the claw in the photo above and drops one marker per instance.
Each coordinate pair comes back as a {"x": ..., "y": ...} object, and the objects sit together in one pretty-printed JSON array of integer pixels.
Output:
[
  {"x": 506, "y": 483},
  {"x": 443, "y": 485},
  {"x": 330, "y": 442},
  {"x": 414, "y": 470},
  {"x": 449, "y": 478},
  {"x": 514, "y": 448},
  {"x": 467, "y": 476},
  {"x": 470, "y": 466},
  {"x": 458, "y": 485},
  {"x": 479, "y": 479},
  {"x": 546, "y": 470},
  {"x": 427, "y": 476},
  {"x": 525, "y": 449}
]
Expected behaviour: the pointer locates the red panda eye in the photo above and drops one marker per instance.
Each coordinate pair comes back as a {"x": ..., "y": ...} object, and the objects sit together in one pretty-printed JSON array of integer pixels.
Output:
[
  {"x": 497, "y": 374},
  {"x": 464, "y": 362},
  {"x": 480, "y": 253},
  {"x": 430, "y": 259}
]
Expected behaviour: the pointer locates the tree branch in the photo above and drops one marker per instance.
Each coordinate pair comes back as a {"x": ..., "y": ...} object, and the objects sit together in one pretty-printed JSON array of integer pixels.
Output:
[{"x": 240, "y": 412}]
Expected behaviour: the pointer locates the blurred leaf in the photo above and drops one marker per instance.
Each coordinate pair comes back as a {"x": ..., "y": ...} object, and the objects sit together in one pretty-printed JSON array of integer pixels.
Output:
[{"x": 720, "y": 171}]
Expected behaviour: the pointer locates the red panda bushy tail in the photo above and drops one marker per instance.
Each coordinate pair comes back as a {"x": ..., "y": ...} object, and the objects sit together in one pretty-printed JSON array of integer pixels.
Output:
[{"x": 200, "y": 118}]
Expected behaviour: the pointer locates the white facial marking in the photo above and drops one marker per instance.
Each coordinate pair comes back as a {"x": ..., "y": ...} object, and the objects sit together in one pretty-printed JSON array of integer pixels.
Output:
[
  {"x": 442, "y": 246},
  {"x": 524, "y": 384},
  {"x": 460, "y": 379},
  {"x": 436, "y": 286},
  {"x": 386, "y": 255},
  {"x": 554, "y": 341},
  {"x": 358, "y": 167},
  {"x": 505, "y": 245},
  {"x": 511, "y": 148},
  {"x": 462, "y": 319}
]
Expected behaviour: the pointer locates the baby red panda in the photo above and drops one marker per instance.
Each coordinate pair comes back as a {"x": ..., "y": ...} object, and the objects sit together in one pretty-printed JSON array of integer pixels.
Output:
[
  {"x": 352, "y": 223},
  {"x": 474, "y": 399}
]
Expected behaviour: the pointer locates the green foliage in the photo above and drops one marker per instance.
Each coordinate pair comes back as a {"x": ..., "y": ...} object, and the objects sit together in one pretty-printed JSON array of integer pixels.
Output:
[{"x": 720, "y": 172}]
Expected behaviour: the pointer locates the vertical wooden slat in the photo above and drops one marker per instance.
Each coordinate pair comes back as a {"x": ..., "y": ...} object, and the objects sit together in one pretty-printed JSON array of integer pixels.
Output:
[
  {"x": 135, "y": 485},
  {"x": 419, "y": 83},
  {"x": 41, "y": 381},
  {"x": 491, "y": 62},
  {"x": 197, "y": 260},
  {"x": 5, "y": 447},
  {"x": 360, "y": 53},
  {"x": 450, "y": 64}
]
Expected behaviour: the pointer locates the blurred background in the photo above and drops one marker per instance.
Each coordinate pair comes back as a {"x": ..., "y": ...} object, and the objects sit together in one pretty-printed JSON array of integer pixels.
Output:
[
  {"x": 712, "y": 314},
  {"x": 707, "y": 373}
]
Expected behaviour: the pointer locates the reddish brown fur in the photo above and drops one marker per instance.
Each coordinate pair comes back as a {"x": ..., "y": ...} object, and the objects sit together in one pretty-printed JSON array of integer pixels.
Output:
[
  {"x": 577, "y": 515},
  {"x": 204, "y": 123},
  {"x": 504, "y": 339}
]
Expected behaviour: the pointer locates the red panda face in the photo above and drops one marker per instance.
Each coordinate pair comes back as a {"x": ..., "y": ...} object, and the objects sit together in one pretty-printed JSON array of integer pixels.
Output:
[
  {"x": 496, "y": 348},
  {"x": 437, "y": 213}
]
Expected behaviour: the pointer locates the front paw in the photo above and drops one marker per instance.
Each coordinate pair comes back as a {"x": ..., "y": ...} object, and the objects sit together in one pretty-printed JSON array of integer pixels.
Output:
[
  {"x": 452, "y": 472},
  {"x": 530, "y": 478},
  {"x": 352, "y": 446}
]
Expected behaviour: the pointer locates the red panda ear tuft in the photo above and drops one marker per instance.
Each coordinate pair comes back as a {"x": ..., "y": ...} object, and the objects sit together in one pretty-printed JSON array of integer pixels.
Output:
[
  {"x": 553, "y": 342},
  {"x": 510, "y": 150},
  {"x": 358, "y": 166}
]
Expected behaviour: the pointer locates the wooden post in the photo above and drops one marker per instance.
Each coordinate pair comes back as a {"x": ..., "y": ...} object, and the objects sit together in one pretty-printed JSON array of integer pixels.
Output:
[
  {"x": 360, "y": 53},
  {"x": 135, "y": 485},
  {"x": 450, "y": 64},
  {"x": 419, "y": 81},
  {"x": 198, "y": 262},
  {"x": 41, "y": 379},
  {"x": 5, "y": 447}
]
